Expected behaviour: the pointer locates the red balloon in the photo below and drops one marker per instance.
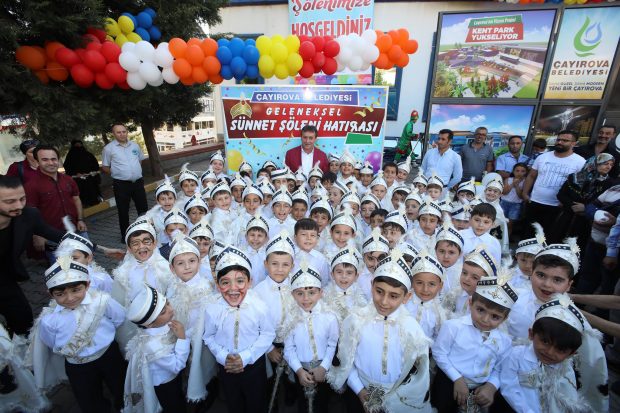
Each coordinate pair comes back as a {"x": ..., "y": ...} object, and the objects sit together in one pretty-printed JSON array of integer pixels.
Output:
[
  {"x": 96, "y": 46},
  {"x": 331, "y": 66},
  {"x": 111, "y": 51},
  {"x": 318, "y": 42},
  {"x": 94, "y": 60},
  {"x": 82, "y": 75},
  {"x": 318, "y": 62},
  {"x": 307, "y": 70},
  {"x": 331, "y": 49},
  {"x": 307, "y": 50},
  {"x": 67, "y": 57},
  {"x": 98, "y": 33},
  {"x": 303, "y": 38},
  {"x": 88, "y": 38},
  {"x": 124, "y": 85},
  {"x": 81, "y": 53},
  {"x": 328, "y": 38},
  {"x": 115, "y": 72},
  {"x": 103, "y": 82}
]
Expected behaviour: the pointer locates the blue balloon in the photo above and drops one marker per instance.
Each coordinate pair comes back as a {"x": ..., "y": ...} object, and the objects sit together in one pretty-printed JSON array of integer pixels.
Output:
[
  {"x": 250, "y": 42},
  {"x": 144, "y": 20},
  {"x": 223, "y": 42},
  {"x": 132, "y": 17},
  {"x": 251, "y": 72},
  {"x": 224, "y": 55},
  {"x": 238, "y": 66},
  {"x": 236, "y": 46},
  {"x": 150, "y": 12},
  {"x": 251, "y": 55},
  {"x": 154, "y": 33},
  {"x": 240, "y": 77},
  {"x": 143, "y": 33},
  {"x": 226, "y": 72}
]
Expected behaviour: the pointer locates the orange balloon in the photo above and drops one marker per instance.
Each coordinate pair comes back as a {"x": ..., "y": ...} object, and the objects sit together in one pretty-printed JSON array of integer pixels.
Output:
[
  {"x": 395, "y": 36},
  {"x": 187, "y": 81},
  {"x": 182, "y": 68},
  {"x": 30, "y": 56},
  {"x": 50, "y": 49},
  {"x": 209, "y": 47},
  {"x": 216, "y": 79},
  {"x": 56, "y": 71},
  {"x": 177, "y": 47},
  {"x": 195, "y": 41},
  {"x": 403, "y": 36},
  {"x": 199, "y": 75},
  {"x": 211, "y": 65},
  {"x": 194, "y": 55},
  {"x": 403, "y": 61},
  {"x": 384, "y": 43},
  {"x": 524, "y": 1},
  {"x": 379, "y": 33},
  {"x": 382, "y": 61},
  {"x": 395, "y": 53},
  {"x": 411, "y": 46},
  {"x": 42, "y": 76}
]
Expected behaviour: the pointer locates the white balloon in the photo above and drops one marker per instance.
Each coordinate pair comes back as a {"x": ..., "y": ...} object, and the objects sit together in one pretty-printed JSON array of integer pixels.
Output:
[
  {"x": 149, "y": 71},
  {"x": 158, "y": 82},
  {"x": 341, "y": 66},
  {"x": 370, "y": 36},
  {"x": 355, "y": 63},
  {"x": 169, "y": 76},
  {"x": 128, "y": 47},
  {"x": 129, "y": 61},
  {"x": 135, "y": 81},
  {"x": 145, "y": 51},
  {"x": 365, "y": 66},
  {"x": 370, "y": 54},
  {"x": 162, "y": 56},
  {"x": 343, "y": 40},
  {"x": 345, "y": 55}
]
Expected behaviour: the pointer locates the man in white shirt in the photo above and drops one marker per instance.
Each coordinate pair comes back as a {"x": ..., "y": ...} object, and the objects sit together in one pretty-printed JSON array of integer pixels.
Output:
[
  {"x": 548, "y": 174},
  {"x": 443, "y": 161}
]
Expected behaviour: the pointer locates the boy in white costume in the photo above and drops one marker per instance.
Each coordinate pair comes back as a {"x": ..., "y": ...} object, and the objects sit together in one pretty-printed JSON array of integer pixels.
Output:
[
  {"x": 374, "y": 249},
  {"x": 281, "y": 207},
  {"x": 525, "y": 253},
  {"x": 166, "y": 197},
  {"x": 448, "y": 250},
  {"x": 81, "y": 249},
  {"x": 256, "y": 238}
]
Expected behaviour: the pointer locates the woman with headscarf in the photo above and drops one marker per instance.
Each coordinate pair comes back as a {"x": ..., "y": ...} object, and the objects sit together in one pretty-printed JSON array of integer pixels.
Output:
[
  {"x": 83, "y": 167},
  {"x": 27, "y": 168}
]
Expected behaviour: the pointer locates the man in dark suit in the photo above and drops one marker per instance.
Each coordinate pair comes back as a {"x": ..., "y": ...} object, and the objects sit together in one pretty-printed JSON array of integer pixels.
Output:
[{"x": 306, "y": 154}]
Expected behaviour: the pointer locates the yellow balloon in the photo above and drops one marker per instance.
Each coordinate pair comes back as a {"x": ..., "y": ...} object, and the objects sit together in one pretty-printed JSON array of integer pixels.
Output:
[
  {"x": 292, "y": 43},
  {"x": 111, "y": 27},
  {"x": 279, "y": 52},
  {"x": 263, "y": 44},
  {"x": 125, "y": 24},
  {"x": 234, "y": 159},
  {"x": 110, "y": 38},
  {"x": 277, "y": 38},
  {"x": 281, "y": 71},
  {"x": 294, "y": 62},
  {"x": 134, "y": 37},
  {"x": 266, "y": 66},
  {"x": 121, "y": 39}
]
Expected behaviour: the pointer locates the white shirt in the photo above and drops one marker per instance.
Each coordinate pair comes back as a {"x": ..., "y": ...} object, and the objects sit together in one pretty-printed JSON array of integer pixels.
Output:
[
  {"x": 461, "y": 351},
  {"x": 343, "y": 302},
  {"x": 255, "y": 329},
  {"x": 306, "y": 161},
  {"x": 420, "y": 240},
  {"x": 139, "y": 273},
  {"x": 520, "y": 281},
  {"x": 57, "y": 328},
  {"x": 279, "y": 301},
  {"x": 365, "y": 282},
  {"x": 491, "y": 244},
  {"x": 298, "y": 346},
  {"x": 430, "y": 315},
  {"x": 448, "y": 166},
  {"x": 188, "y": 298},
  {"x": 257, "y": 259},
  {"x": 276, "y": 226},
  {"x": 157, "y": 214},
  {"x": 522, "y": 314},
  {"x": 552, "y": 173},
  {"x": 205, "y": 270},
  {"x": 452, "y": 277},
  {"x": 99, "y": 279},
  {"x": 166, "y": 368},
  {"x": 123, "y": 160},
  {"x": 317, "y": 261}
]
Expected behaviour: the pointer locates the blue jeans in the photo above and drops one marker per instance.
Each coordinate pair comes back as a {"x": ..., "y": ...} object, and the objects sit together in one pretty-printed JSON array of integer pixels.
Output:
[{"x": 512, "y": 210}]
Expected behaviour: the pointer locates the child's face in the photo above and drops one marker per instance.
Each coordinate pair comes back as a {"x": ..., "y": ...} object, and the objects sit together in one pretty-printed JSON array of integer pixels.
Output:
[
  {"x": 335, "y": 196},
  {"x": 279, "y": 266},
  {"x": 251, "y": 203},
  {"x": 485, "y": 318},
  {"x": 460, "y": 224},
  {"x": 387, "y": 299},
  {"x": 307, "y": 298},
  {"x": 343, "y": 276},
  {"x": 397, "y": 199},
  {"x": 212, "y": 265},
  {"x": 433, "y": 192},
  {"x": 290, "y": 184},
  {"x": 428, "y": 223},
  {"x": 412, "y": 207},
  {"x": 256, "y": 238},
  {"x": 185, "y": 266},
  {"x": 204, "y": 245},
  {"x": 379, "y": 191},
  {"x": 465, "y": 196},
  {"x": 372, "y": 259},
  {"x": 393, "y": 234},
  {"x": 480, "y": 224},
  {"x": 377, "y": 221},
  {"x": 470, "y": 275},
  {"x": 217, "y": 166},
  {"x": 355, "y": 208},
  {"x": 341, "y": 234},
  {"x": 71, "y": 297},
  {"x": 188, "y": 186},
  {"x": 281, "y": 210},
  {"x": 525, "y": 262},
  {"x": 277, "y": 183},
  {"x": 334, "y": 167},
  {"x": 267, "y": 199},
  {"x": 546, "y": 352},
  {"x": 195, "y": 214},
  {"x": 237, "y": 192},
  {"x": 421, "y": 188},
  {"x": 312, "y": 182},
  {"x": 164, "y": 317},
  {"x": 81, "y": 257},
  {"x": 447, "y": 253},
  {"x": 519, "y": 172},
  {"x": 356, "y": 174},
  {"x": 346, "y": 169},
  {"x": 366, "y": 179},
  {"x": 222, "y": 200},
  {"x": 299, "y": 210},
  {"x": 327, "y": 184},
  {"x": 166, "y": 200},
  {"x": 306, "y": 239},
  {"x": 207, "y": 181},
  {"x": 171, "y": 228},
  {"x": 321, "y": 218},
  {"x": 492, "y": 194},
  {"x": 401, "y": 175},
  {"x": 141, "y": 247},
  {"x": 547, "y": 281},
  {"x": 426, "y": 286},
  {"x": 389, "y": 174},
  {"x": 367, "y": 209},
  {"x": 210, "y": 203},
  {"x": 233, "y": 286}
]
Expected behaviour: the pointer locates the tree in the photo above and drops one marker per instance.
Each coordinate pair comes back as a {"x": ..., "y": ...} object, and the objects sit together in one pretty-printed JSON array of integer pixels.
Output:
[{"x": 57, "y": 113}]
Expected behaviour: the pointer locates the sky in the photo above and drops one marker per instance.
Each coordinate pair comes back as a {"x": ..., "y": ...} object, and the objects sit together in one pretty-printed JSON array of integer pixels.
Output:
[{"x": 497, "y": 118}]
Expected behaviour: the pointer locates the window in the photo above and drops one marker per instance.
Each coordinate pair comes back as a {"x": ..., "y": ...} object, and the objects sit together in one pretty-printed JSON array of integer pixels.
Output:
[
  {"x": 196, "y": 125},
  {"x": 169, "y": 126},
  {"x": 186, "y": 126},
  {"x": 391, "y": 78},
  {"x": 210, "y": 124},
  {"x": 208, "y": 105}
]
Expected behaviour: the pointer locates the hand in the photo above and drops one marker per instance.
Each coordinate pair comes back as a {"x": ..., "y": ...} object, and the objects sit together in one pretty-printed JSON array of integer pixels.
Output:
[
  {"x": 275, "y": 355},
  {"x": 177, "y": 329},
  {"x": 610, "y": 262},
  {"x": 233, "y": 364},
  {"x": 577, "y": 207},
  {"x": 38, "y": 243},
  {"x": 363, "y": 396},
  {"x": 525, "y": 198},
  {"x": 114, "y": 253},
  {"x": 461, "y": 391},
  {"x": 484, "y": 394},
  {"x": 319, "y": 374},
  {"x": 305, "y": 378},
  {"x": 81, "y": 226}
]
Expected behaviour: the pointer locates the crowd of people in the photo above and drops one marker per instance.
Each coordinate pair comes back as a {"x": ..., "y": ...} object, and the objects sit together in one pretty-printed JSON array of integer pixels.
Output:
[{"x": 336, "y": 281}]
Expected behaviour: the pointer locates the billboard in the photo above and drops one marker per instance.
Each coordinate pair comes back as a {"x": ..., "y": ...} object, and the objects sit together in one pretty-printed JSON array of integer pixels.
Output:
[
  {"x": 492, "y": 54},
  {"x": 263, "y": 122},
  {"x": 555, "y": 118},
  {"x": 584, "y": 54}
]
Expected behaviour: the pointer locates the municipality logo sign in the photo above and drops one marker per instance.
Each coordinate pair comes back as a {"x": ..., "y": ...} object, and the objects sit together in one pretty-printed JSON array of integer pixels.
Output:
[{"x": 587, "y": 38}]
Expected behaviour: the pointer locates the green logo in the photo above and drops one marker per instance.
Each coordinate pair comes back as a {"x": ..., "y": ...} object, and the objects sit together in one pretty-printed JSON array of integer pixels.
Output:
[{"x": 587, "y": 38}]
